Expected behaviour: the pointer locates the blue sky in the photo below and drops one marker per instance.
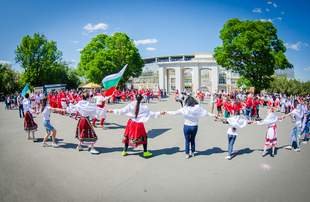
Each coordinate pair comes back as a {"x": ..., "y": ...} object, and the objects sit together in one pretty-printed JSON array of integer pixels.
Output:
[{"x": 158, "y": 27}]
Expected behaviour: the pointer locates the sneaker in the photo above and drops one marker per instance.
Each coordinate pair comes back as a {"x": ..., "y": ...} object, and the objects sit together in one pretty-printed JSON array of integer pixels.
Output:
[
  {"x": 187, "y": 156},
  {"x": 264, "y": 154},
  {"x": 272, "y": 155},
  {"x": 94, "y": 151},
  {"x": 147, "y": 154},
  {"x": 124, "y": 153},
  {"x": 35, "y": 140},
  {"x": 288, "y": 147},
  {"x": 55, "y": 145},
  {"x": 228, "y": 157},
  {"x": 194, "y": 154},
  {"x": 297, "y": 150},
  {"x": 305, "y": 142},
  {"x": 79, "y": 148},
  {"x": 45, "y": 144}
]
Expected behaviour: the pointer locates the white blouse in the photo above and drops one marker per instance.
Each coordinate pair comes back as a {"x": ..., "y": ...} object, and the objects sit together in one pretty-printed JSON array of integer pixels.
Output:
[
  {"x": 270, "y": 120},
  {"x": 143, "y": 116},
  {"x": 191, "y": 114},
  {"x": 26, "y": 105}
]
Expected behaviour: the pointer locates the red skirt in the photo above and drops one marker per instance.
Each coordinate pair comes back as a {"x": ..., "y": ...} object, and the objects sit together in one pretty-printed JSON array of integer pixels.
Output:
[
  {"x": 29, "y": 124},
  {"x": 85, "y": 132},
  {"x": 135, "y": 134}
]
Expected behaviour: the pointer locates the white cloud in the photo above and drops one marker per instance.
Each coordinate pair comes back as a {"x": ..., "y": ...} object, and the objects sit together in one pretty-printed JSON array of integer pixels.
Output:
[
  {"x": 267, "y": 9},
  {"x": 296, "y": 46},
  {"x": 257, "y": 10},
  {"x": 269, "y": 2},
  {"x": 151, "y": 49},
  {"x": 5, "y": 62},
  {"x": 79, "y": 49},
  {"x": 275, "y": 5},
  {"x": 307, "y": 69},
  {"x": 266, "y": 20},
  {"x": 99, "y": 26},
  {"x": 145, "y": 41}
]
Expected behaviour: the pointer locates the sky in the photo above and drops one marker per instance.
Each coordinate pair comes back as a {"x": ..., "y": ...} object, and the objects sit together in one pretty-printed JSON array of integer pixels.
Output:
[{"x": 158, "y": 27}]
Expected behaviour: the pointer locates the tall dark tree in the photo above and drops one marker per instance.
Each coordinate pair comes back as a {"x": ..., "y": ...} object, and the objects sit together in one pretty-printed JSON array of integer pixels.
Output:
[
  {"x": 105, "y": 55},
  {"x": 9, "y": 79},
  {"x": 38, "y": 57},
  {"x": 253, "y": 49}
]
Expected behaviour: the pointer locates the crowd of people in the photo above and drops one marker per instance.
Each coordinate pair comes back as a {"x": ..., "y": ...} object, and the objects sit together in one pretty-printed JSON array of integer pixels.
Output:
[{"x": 236, "y": 109}]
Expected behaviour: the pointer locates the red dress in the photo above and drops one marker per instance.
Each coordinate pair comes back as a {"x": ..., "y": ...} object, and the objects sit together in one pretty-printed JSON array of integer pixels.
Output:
[
  {"x": 85, "y": 132},
  {"x": 135, "y": 134},
  {"x": 29, "y": 124}
]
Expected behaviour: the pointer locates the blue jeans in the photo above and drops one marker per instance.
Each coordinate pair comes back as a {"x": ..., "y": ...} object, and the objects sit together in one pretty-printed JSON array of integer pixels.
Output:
[
  {"x": 48, "y": 126},
  {"x": 231, "y": 141},
  {"x": 296, "y": 131},
  {"x": 248, "y": 111},
  {"x": 190, "y": 134}
]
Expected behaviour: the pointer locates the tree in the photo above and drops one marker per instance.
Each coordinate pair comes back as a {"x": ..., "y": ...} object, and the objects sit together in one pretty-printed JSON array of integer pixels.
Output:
[
  {"x": 105, "y": 55},
  {"x": 289, "y": 87},
  {"x": 253, "y": 49},
  {"x": 38, "y": 57},
  {"x": 73, "y": 80},
  {"x": 9, "y": 79}
]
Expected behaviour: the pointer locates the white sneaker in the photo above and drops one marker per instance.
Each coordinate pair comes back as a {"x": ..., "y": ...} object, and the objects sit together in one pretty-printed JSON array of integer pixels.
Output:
[
  {"x": 228, "y": 157},
  {"x": 297, "y": 150},
  {"x": 194, "y": 154},
  {"x": 45, "y": 144},
  {"x": 288, "y": 147},
  {"x": 79, "y": 148},
  {"x": 55, "y": 145},
  {"x": 187, "y": 156},
  {"x": 94, "y": 151}
]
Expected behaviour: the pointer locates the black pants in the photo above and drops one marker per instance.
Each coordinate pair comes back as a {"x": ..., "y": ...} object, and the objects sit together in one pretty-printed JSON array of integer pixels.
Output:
[
  {"x": 144, "y": 147},
  {"x": 21, "y": 111}
]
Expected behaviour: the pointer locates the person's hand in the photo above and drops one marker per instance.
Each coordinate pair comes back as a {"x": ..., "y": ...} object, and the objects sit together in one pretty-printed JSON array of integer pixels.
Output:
[{"x": 110, "y": 110}]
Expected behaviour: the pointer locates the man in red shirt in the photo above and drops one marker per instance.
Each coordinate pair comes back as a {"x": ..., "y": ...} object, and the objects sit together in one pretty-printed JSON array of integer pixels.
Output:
[{"x": 248, "y": 106}]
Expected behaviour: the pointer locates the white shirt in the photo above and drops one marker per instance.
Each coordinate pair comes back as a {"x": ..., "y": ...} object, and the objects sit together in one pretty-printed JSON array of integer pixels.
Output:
[
  {"x": 26, "y": 105},
  {"x": 296, "y": 117},
  {"x": 46, "y": 113},
  {"x": 231, "y": 132},
  {"x": 143, "y": 116},
  {"x": 191, "y": 114}
]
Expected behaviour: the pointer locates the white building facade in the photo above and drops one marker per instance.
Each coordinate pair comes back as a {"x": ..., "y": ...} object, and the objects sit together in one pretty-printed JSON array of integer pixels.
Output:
[{"x": 191, "y": 72}]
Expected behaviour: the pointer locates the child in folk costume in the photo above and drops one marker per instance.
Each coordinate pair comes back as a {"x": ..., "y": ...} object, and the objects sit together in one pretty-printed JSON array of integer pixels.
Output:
[
  {"x": 192, "y": 112},
  {"x": 101, "y": 115},
  {"x": 227, "y": 108},
  {"x": 271, "y": 135},
  {"x": 234, "y": 122},
  {"x": 85, "y": 133},
  {"x": 29, "y": 124},
  {"x": 135, "y": 133}
]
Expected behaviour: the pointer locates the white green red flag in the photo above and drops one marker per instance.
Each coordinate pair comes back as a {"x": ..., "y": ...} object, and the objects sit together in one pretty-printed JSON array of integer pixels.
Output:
[{"x": 110, "y": 82}]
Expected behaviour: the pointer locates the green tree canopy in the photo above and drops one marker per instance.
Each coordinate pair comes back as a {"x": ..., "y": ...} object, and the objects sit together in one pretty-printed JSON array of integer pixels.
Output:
[
  {"x": 9, "y": 79},
  {"x": 105, "y": 55},
  {"x": 253, "y": 49},
  {"x": 289, "y": 87},
  {"x": 42, "y": 62},
  {"x": 38, "y": 57}
]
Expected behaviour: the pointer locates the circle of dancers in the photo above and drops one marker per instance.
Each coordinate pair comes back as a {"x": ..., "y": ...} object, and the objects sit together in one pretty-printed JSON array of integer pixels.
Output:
[{"x": 90, "y": 107}]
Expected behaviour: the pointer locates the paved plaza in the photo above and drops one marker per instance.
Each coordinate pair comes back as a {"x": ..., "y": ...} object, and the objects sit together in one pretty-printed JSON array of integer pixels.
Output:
[{"x": 32, "y": 173}]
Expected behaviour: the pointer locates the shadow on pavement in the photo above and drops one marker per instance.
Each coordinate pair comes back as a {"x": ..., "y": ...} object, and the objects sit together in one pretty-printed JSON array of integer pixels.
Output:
[
  {"x": 242, "y": 151},
  {"x": 156, "y": 132},
  {"x": 214, "y": 150},
  {"x": 165, "y": 151}
]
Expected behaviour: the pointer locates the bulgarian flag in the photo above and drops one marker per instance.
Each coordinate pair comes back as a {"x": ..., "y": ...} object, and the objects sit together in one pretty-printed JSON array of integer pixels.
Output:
[{"x": 110, "y": 82}]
